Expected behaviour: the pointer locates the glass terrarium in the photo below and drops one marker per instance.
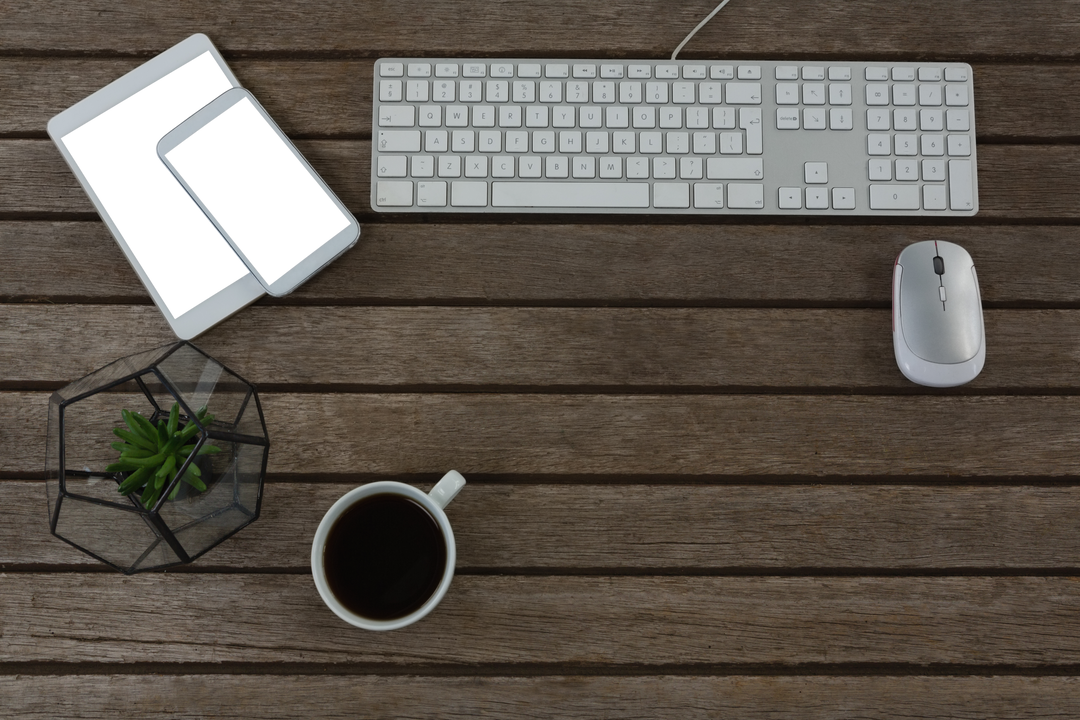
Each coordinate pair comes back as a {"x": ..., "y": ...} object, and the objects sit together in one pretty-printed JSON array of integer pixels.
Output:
[{"x": 207, "y": 460}]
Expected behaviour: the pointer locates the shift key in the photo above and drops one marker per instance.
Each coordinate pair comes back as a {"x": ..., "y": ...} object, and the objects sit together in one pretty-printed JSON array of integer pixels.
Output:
[{"x": 399, "y": 141}]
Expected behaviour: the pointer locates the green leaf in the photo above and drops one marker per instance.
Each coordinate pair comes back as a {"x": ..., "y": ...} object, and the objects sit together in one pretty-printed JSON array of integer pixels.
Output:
[
  {"x": 150, "y": 498},
  {"x": 169, "y": 464},
  {"x": 209, "y": 450},
  {"x": 194, "y": 481},
  {"x": 121, "y": 467},
  {"x": 143, "y": 426},
  {"x": 200, "y": 412},
  {"x": 134, "y": 481},
  {"x": 136, "y": 453},
  {"x": 162, "y": 432},
  {"x": 190, "y": 429},
  {"x": 152, "y": 461},
  {"x": 174, "y": 419},
  {"x": 134, "y": 438},
  {"x": 194, "y": 470}
]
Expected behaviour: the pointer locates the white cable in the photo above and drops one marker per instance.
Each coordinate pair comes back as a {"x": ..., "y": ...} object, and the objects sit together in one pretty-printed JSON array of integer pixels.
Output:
[{"x": 699, "y": 26}]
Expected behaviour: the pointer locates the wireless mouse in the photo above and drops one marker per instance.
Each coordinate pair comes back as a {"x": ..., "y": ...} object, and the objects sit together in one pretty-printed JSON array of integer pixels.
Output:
[{"x": 938, "y": 334}]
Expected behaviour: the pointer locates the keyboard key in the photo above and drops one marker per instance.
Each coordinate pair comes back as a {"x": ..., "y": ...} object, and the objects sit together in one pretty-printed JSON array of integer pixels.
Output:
[
  {"x": 903, "y": 94},
  {"x": 431, "y": 194},
  {"x": 840, "y": 94},
  {"x": 932, "y": 145},
  {"x": 397, "y": 116},
  {"x": 880, "y": 170},
  {"x": 903, "y": 74},
  {"x": 663, "y": 168},
  {"x": 813, "y": 94},
  {"x": 933, "y": 171},
  {"x": 877, "y": 94},
  {"x": 570, "y": 195},
  {"x": 843, "y": 198},
  {"x": 721, "y": 72},
  {"x": 585, "y": 71},
  {"x": 468, "y": 194},
  {"x": 814, "y": 118},
  {"x": 928, "y": 74},
  {"x": 694, "y": 72},
  {"x": 956, "y": 95},
  {"x": 840, "y": 73},
  {"x": 813, "y": 73},
  {"x": 904, "y": 119},
  {"x": 959, "y": 145},
  {"x": 556, "y": 70},
  {"x": 474, "y": 70},
  {"x": 399, "y": 141},
  {"x": 907, "y": 170},
  {"x": 877, "y": 144},
  {"x": 419, "y": 70},
  {"x": 671, "y": 195},
  {"x": 639, "y": 71},
  {"x": 961, "y": 192},
  {"x": 816, "y": 173},
  {"x": 746, "y": 196},
  {"x": 393, "y": 193},
  {"x": 731, "y": 143},
  {"x": 611, "y": 71},
  {"x": 743, "y": 93},
  {"x": 446, "y": 71},
  {"x": 790, "y": 198},
  {"x": 956, "y": 74},
  {"x": 502, "y": 70},
  {"x": 840, "y": 119},
  {"x": 933, "y": 197},
  {"x": 529, "y": 71},
  {"x": 734, "y": 169},
  {"x": 817, "y": 198},
  {"x": 877, "y": 74},
  {"x": 894, "y": 197},
  {"x": 392, "y": 166},
  {"x": 931, "y": 120},
  {"x": 391, "y": 69},
  {"x": 708, "y": 195},
  {"x": 750, "y": 121},
  {"x": 749, "y": 72},
  {"x": 389, "y": 90},
  {"x": 930, "y": 95},
  {"x": 787, "y": 119},
  {"x": 667, "y": 72},
  {"x": 906, "y": 145},
  {"x": 957, "y": 121},
  {"x": 787, "y": 93},
  {"x": 878, "y": 120}
]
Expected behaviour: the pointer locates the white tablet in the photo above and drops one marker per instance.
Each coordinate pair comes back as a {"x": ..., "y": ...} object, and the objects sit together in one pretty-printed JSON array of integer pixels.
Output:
[
  {"x": 110, "y": 141},
  {"x": 260, "y": 192}
]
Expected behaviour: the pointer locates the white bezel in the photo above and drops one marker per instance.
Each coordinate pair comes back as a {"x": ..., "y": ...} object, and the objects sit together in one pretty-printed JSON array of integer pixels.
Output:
[
  {"x": 234, "y": 295},
  {"x": 310, "y": 262}
]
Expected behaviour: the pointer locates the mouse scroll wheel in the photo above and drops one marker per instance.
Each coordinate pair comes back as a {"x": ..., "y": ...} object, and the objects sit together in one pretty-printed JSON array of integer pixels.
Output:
[{"x": 939, "y": 265}]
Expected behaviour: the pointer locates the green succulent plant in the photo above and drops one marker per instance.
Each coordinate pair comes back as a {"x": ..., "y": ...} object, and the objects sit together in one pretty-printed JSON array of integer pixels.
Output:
[{"x": 153, "y": 455}]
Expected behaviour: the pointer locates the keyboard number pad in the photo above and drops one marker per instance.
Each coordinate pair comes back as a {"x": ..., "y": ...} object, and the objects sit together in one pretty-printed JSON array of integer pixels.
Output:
[{"x": 919, "y": 139}]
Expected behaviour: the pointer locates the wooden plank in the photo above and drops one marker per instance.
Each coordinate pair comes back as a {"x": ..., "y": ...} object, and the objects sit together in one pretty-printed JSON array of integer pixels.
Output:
[
  {"x": 556, "y": 620},
  {"x": 539, "y": 348},
  {"x": 523, "y": 698},
  {"x": 332, "y": 98},
  {"x": 1029, "y": 182},
  {"x": 608, "y": 264},
  {"x": 960, "y": 30},
  {"x": 615, "y": 436},
  {"x": 653, "y": 528}
]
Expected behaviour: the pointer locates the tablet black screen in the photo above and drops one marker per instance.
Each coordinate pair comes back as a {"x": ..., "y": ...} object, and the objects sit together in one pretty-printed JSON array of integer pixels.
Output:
[
  {"x": 180, "y": 252},
  {"x": 258, "y": 190}
]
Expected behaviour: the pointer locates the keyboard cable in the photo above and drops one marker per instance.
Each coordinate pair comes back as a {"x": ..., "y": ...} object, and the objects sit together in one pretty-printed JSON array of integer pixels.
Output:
[{"x": 699, "y": 26}]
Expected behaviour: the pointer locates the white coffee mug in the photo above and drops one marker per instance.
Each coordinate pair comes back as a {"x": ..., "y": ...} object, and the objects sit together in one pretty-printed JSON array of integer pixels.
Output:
[{"x": 434, "y": 502}]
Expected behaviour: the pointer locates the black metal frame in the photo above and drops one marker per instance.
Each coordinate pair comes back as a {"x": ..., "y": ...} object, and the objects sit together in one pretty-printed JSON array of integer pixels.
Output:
[{"x": 153, "y": 516}]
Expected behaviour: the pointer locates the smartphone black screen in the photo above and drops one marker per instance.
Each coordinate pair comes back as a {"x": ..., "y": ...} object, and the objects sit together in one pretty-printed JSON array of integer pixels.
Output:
[
  {"x": 258, "y": 190},
  {"x": 179, "y": 250}
]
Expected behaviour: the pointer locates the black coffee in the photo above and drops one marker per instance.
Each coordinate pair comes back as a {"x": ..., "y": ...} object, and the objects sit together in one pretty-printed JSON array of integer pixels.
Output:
[{"x": 384, "y": 557}]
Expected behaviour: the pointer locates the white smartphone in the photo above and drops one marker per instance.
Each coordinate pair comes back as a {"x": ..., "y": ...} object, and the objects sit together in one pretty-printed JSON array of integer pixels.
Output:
[
  {"x": 110, "y": 141},
  {"x": 259, "y": 191}
]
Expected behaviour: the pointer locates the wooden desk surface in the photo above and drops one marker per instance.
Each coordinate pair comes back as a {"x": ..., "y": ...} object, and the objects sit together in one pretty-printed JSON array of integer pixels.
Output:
[{"x": 699, "y": 486}]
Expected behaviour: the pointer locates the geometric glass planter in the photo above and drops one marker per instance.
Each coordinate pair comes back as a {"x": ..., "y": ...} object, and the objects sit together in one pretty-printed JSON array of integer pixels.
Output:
[{"x": 85, "y": 507}]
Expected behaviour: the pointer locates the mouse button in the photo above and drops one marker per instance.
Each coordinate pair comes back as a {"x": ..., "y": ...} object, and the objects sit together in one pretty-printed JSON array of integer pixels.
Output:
[
  {"x": 920, "y": 253},
  {"x": 939, "y": 265}
]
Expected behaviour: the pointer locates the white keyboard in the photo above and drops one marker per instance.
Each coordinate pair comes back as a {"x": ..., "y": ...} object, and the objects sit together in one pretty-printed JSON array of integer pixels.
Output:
[{"x": 673, "y": 137}]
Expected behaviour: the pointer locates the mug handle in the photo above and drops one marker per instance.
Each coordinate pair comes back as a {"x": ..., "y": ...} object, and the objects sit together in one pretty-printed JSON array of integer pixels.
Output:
[{"x": 447, "y": 489}]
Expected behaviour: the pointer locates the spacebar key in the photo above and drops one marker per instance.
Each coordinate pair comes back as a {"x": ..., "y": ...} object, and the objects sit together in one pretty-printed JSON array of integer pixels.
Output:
[{"x": 570, "y": 195}]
